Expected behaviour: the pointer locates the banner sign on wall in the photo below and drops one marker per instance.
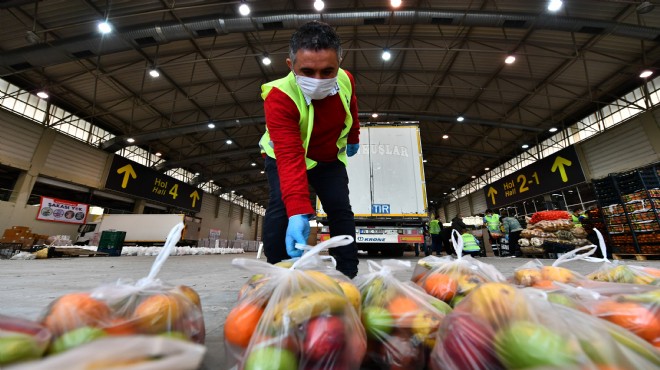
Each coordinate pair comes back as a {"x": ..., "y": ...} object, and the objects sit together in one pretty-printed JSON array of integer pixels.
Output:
[{"x": 58, "y": 210}]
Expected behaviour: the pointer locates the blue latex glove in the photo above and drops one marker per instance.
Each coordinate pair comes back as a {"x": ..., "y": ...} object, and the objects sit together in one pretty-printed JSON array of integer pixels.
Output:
[
  {"x": 351, "y": 149},
  {"x": 296, "y": 232}
]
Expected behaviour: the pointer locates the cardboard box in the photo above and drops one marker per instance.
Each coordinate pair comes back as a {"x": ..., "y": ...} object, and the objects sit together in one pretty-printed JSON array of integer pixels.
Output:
[{"x": 21, "y": 228}]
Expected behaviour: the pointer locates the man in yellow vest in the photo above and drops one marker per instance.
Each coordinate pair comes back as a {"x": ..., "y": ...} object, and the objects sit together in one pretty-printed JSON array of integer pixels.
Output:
[
  {"x": 492, "y": 221},
  {"x": 312, "y": 128},
  {"x": 470, "y": 244},
  {"x": 578, "y": 216},
  {"x": 436, "y": 240}
]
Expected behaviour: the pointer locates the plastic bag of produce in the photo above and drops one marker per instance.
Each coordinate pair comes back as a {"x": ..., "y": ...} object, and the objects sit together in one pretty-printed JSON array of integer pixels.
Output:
[
  {"x": 451, "y": 279},
  {"x": 21, "y": 340},
  {"x": 138, "y": 352},
  {"x": 304, "y": 316},
  {"x": 148, "y": 306},
  {"x": 499, "y": 326},
  {"x": 619, "y": 272},
  {"x": 400, "y": 319}
]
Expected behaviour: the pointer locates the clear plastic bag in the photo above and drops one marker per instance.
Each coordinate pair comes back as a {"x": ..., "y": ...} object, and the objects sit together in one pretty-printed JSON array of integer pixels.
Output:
[
  {"x": 500, "y": 326},
  {"x": 451, "y": 279},
  {"x": 148, "y": 306},
  {"x": 21, "y": 340},
  {"x": 301, "y": 317},
  {"x": 400, "y": 319}
]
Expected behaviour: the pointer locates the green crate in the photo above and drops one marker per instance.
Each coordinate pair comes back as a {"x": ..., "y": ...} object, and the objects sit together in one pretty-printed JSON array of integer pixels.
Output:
[{"x": 111, "y": 242}]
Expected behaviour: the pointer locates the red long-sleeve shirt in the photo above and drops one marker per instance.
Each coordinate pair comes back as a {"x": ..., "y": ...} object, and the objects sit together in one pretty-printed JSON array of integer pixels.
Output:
[{"x": 282, "y": 121}]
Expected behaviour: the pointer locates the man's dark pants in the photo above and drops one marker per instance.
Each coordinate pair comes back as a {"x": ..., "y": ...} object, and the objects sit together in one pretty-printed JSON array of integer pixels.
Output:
[{"x": 330, "y": 181}]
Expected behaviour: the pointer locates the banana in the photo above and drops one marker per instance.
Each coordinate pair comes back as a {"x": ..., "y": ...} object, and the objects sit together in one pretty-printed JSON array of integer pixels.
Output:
[{"x": 302, "y": 307}]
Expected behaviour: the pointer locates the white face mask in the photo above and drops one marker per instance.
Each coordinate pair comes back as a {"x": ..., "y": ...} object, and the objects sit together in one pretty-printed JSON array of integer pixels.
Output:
[{"x": 315, "y": 88}]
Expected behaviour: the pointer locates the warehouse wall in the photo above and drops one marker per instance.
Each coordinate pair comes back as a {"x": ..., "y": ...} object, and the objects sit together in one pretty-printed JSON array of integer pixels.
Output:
[{"x": 27, "y": 216}]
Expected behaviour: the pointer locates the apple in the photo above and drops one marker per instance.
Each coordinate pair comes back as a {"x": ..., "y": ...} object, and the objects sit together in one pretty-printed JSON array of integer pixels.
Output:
[
  {"x": 176, "y": 335},
  {"x": 19, "y": 347},
  {"x": 402, "y": 353},
  {"x": 271, "y": 358},
  {"x": 526, "y": 344},
  {"x": 75, "y": 338},
  {"x": 325, "y": 337},
  {"x": 377, "y": 321},
  {"x": 467, "y": 343}
]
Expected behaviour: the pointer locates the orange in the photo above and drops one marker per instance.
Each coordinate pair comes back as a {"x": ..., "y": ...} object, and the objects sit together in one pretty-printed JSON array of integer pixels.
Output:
[
  {"x": 158, "y": 313},
  {"x": 402, "y": 306},
  {"x": 75, "y": 310},
  {"x": 544, "y": 284},
  {"x": 631, "y": 316},
  {"x": 241, "y": 323},
  {"x": 651, "y": 271},
  {"x": 440, "y": 286}
]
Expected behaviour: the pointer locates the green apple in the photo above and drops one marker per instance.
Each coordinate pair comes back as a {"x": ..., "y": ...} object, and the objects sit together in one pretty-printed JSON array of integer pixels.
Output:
[
  {"x": 456, "y": 300},
  {"x": 18, "y": 347},
  {"x": 75, "y": 338},
  {"x": 377, "y": 321},
  {"x": 271, "y": 358},
  {"x": 526, "y": 345},
  {"x": 561, "y": 299},
  {"x": 441, "y": 306}
]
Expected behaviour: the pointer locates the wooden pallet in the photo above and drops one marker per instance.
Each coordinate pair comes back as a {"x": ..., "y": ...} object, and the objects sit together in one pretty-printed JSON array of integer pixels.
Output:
[
  {"x": 54, "y": 252},
  {"x": 637, "y": 256}
]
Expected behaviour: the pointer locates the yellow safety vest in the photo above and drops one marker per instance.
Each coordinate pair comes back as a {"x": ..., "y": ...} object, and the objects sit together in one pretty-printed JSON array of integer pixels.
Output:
[
  {"x": 289, "y": 86},
  {"x": 470, "y": 243},
  {"x": 493, "y": 222}
]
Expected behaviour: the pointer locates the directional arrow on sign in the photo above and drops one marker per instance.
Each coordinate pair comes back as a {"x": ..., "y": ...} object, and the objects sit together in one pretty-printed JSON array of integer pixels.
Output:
[
  {"x": 128, "y": 171},
  {"x": 492, "y": 193},
  {"x": 195, "y": 197},
  {"x": 559, "y": 165}
]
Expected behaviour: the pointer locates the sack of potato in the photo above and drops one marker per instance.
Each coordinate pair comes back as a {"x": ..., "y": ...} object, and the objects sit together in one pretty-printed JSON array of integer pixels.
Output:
[
  {"x": 21, "y": 340},
  {"x": 146, "y": 307},
  {"x": 451, "y": 279},
  {"x": 499, "y": 326},
  {"x": 304, "y": 316},
  {"x": 400, "y": 319}
]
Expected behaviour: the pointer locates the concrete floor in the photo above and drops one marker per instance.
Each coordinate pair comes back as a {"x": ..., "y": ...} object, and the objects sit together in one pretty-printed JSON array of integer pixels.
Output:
[{"x": 26, "y": 287}]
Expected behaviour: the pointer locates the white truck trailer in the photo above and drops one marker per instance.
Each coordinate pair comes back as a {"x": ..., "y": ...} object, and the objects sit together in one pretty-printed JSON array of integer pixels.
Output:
[
  {"x": 387, "y": 190},
  {"x": 141, "y": 229}
]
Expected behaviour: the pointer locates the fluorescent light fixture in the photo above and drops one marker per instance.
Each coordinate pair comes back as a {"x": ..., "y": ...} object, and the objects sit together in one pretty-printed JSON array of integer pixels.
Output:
[
  {"x": 487, "y": 169},
  {"x": 453, "y": 188},
  {"x": 211, "y": 125},
  {"x": 158, "y": 154},
  {"x": 229, "y": 142},
  {"x": 244, "y": 9},
  {"x": 646, "y": 73},
  {"x": 424, "y": 160},
  {"x": 444, "y": 193},
  {"x": 554, "y": 5},
  {"x": 445, "y": 137},
  {"x": 262, "y": 171},
  {"x": 211, "y": 180},
  {"x": 386, "y": 55},
  {"x": 319, "y": 5},
  {"x": 395, "y": 3},
  {"x": 266, "y": 60},
  {"x": 460, "y": 119},
  {"x": 374, "y": 115},
  {"x": 42, "y": 94},
  {"x": 196, "y": 173},
  {"x": 553, "y": 129},
  {"x": 474, "y": 177},
  {"x": 232, "y": 191},
  {"x": 510, "y": 59},
  {"x": 253, "y": 164},
  {"x": 104, "y": 27},
  {"x": 525, "y": 146},
  {"x": 130, "y": 140},
  {"x": 154, "y": 73}
]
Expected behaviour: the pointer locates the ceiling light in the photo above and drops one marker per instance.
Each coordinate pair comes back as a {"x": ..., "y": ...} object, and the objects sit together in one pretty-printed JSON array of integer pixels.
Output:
[
  {"x": 554, "y": 5},
  {"x": 487, "y": 169},
  {"x": 444, "y": 193},
  {"x": 158, "y": 154},
  {"x": 244, "y": 9},
  {"x": 211, "y": 180},
  {"x": 104, "y": 27},
  {"x": 130, "y": 140},
  {"x": 266, "y": 60},
  {"x": 229, "y": 142},
  {"x": 646, "y": 73},
  {"x": 262, "y": 171},
  {"x": 395, "y": 3},
  {"x": 445, "y": 137},
  {"x": 453, "y": 188},
  {"x": 319, "y": 5},
  {"x": 460, "y": 118},
  {"x": 510, "y": 59},
  {"x": 474, "y": 177},
  {"x": 374, "y": 115},
  {"x": 196, "y": 173},
  {"x": 232, "y": 191},
  {"x": 644, "y": 7},
  {"x": 525, "y": 146},
  {"x": 211, "y": 125},
  {"x": 42, "y": 94},
  {"x": 424, "y": 160},
  {"x": 253, "y": 164},
  {"x": 553, "y": 129},
  {"x": 386, "y": 55},
  {"x": 154, "y": 73}
]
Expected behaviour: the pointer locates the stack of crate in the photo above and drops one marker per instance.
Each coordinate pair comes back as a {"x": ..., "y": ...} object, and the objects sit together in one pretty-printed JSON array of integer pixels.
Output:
[{"x": 22, "y": 235}]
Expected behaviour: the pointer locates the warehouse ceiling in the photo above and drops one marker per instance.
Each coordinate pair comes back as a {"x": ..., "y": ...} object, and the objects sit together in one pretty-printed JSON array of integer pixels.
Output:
[{"x": 447, "y": 61}]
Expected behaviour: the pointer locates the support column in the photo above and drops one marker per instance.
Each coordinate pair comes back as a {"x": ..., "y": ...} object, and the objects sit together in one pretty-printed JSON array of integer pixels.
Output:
[
  {"x": 26, "y": 180},
  {"x": 138, "y": 207}
]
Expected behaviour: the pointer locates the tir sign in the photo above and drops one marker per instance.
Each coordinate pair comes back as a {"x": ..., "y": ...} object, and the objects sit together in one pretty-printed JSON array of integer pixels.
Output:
[{"x": 380, "y": 209}]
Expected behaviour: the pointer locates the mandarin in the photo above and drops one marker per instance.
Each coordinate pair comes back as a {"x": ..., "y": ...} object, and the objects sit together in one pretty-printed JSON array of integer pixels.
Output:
[
  {"x": 440, "y": 286},
  {"x": 241, "y": 323}
]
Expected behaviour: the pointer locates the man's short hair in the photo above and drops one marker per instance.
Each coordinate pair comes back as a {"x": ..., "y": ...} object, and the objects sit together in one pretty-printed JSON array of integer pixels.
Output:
[
  {"x": 489, "y": 210},
  {"x": 314, "y": 36}
]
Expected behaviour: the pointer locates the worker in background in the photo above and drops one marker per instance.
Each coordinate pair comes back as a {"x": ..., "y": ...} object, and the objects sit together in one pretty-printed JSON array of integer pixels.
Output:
[
  {"x": 312, "y": 128},
  {"x": 512, "y": 230},
  {"x": 578, "y": 216},
  {"x": 436, "y": 238},
  {"x": 492, "y": 222},
  {"x": 470, "y": 244}
]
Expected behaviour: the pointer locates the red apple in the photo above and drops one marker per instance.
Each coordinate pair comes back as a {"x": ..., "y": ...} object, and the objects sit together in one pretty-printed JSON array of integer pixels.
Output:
[
  {"x": 325, "y": 336},
  {"x": 401, "y": 353},
  {"x": 468, "y": 343}
]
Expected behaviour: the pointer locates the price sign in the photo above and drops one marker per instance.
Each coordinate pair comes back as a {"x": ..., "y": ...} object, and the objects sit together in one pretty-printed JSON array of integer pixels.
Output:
[
  {"x": 551, "y": 173},
  {"x": 133, "y": 178}
]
